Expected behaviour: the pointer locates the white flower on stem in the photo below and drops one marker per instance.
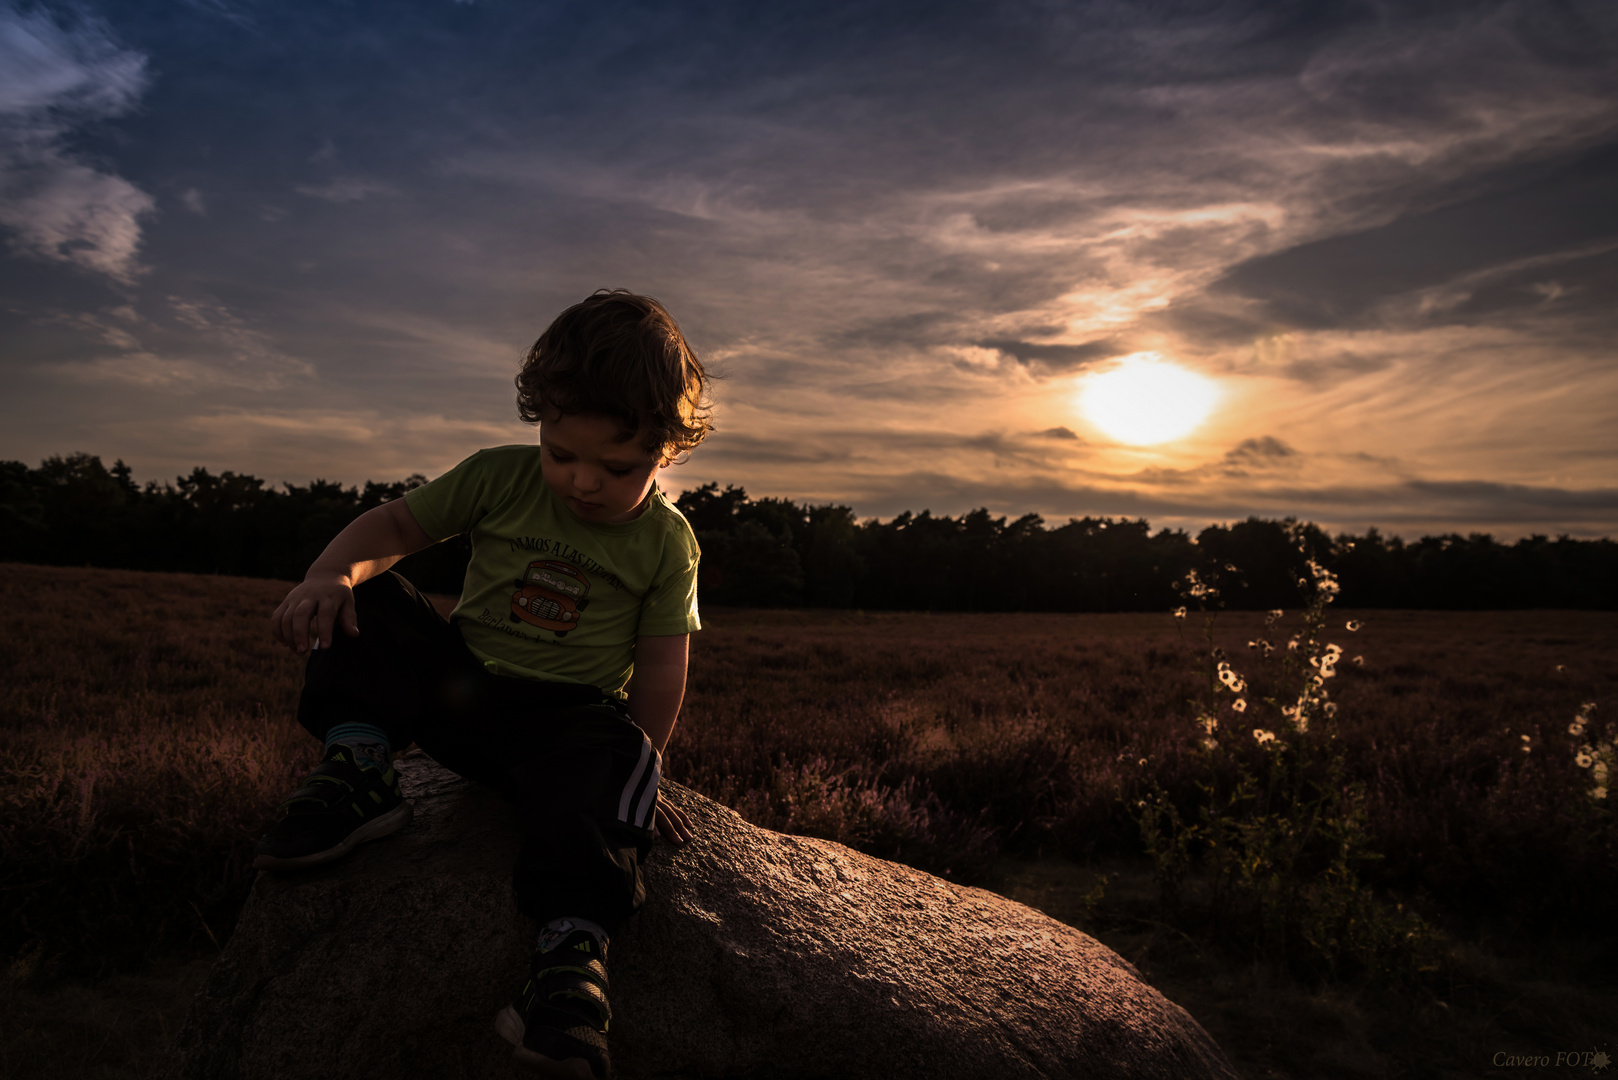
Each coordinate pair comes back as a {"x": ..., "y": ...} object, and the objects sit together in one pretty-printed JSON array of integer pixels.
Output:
[
  {"x": 1359, "y": 661},
  {"x": 1239, "y": 705},
  {"x": 1353, "y": 624},
  {"x": 1527, "y": 744},
  {"x": 1263, "y": 736},
  {"x": 1599, "y": 792},
  {"x": 1210, "y": 744},
  {"x": 1179, "y": 613},
  {"x": 1584, "y": 760},
  {"x": 1272, "y": 617}
]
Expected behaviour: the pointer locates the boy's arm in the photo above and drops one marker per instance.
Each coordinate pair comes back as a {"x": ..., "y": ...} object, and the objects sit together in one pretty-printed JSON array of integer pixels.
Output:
[
  {"x": 656, "y": 690},
  {"x": 369, "y": 545}
]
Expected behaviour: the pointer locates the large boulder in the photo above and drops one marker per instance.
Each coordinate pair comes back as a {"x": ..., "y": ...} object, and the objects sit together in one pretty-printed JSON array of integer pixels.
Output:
[{"x": 757, "y": 955}]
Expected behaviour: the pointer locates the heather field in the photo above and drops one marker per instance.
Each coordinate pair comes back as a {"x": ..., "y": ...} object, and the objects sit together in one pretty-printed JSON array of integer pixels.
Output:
[{"x": 1464, "y": 906}]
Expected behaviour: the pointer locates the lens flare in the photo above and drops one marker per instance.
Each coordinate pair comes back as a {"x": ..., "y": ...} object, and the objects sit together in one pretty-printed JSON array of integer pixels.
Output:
[{"x": 1145, "y": 400}]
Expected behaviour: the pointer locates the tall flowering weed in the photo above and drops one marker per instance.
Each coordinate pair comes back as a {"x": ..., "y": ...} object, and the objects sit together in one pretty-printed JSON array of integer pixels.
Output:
[
  {"x": 1276, "y": 835},
  {"x": 1595, "y": 754}
]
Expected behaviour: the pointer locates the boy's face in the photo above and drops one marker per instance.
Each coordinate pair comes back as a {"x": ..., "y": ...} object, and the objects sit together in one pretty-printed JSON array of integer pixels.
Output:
[{"x": 601, "y": 479}]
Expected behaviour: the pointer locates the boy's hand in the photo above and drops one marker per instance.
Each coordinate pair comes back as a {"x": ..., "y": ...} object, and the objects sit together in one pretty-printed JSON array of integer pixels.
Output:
[
  {"x": 673, "y": 823},
  {"x": 308, "y": 617}
]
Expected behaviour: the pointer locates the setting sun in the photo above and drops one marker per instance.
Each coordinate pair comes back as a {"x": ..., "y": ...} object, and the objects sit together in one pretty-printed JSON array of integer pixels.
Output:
[{"x": 1145, "y": 400}]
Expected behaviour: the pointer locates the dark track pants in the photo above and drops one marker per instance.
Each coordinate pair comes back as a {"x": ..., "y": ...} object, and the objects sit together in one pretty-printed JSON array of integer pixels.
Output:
[{"x": 582, "y": 777}]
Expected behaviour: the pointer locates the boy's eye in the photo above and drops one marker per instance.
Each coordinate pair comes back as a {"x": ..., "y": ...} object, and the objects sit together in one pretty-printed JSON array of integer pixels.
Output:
[{"x": 618, "y": 472}]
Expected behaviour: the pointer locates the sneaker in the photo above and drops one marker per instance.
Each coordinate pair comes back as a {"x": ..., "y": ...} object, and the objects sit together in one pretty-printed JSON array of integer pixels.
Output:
[
  {"x": 339, "y": 806},
  {"x": 558, "y": 1022}
]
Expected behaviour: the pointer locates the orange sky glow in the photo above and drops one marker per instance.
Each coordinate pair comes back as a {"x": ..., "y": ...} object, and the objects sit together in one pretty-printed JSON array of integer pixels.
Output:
[{"x": 917, "y": 249}]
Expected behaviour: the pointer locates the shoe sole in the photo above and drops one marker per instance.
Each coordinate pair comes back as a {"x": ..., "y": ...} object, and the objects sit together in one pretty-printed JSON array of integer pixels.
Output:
[
  {"x": 512, "y": 1029},
  {"x": 388, "y": 823}
]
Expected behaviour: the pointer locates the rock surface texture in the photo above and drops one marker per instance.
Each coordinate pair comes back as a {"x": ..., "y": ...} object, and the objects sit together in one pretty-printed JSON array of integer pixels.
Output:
[{"x": 758, "y": 955}]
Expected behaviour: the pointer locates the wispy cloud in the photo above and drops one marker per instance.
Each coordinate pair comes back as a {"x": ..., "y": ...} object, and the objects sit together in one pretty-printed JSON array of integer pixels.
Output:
[
  {"x": 59, "y": 75},
  {"x": 345, "y": 189},
  {"x": 1387, "y": 232},
  {"x": 198, "y": 348}
]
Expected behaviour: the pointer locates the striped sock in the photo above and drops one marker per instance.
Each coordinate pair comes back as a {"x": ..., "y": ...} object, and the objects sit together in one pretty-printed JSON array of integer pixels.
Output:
[{"x": 370, "y": 744}]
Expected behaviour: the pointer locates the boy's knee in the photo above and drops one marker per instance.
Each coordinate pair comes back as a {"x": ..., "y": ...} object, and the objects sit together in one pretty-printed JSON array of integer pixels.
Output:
[{"x": 603, "y": 767}]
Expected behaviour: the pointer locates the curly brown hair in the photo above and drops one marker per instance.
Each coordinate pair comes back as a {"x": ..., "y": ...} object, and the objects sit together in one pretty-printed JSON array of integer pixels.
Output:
[{"x": 620, "y": 355}]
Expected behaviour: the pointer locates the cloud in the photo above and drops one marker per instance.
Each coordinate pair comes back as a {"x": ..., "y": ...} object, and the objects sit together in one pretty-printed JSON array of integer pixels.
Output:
[
  {"x": 345, "y": 189},
  {"x": 1341, "y": 281},
  {"x": 57, "y": 78},
  {"x": 225, "y": 9},
  {"x": 355, "y": 445},
  {"x": 1056, "y": 357},
  {"x": 907, "y": 241},
  {"x": 1409, "y": 509},
  {"x": 1261, "y": 450},
  {"x": 210, "y": 349}
]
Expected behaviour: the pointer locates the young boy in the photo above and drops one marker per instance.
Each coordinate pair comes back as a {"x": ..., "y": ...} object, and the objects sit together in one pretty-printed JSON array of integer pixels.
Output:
[{"x": 559, "y": 675}]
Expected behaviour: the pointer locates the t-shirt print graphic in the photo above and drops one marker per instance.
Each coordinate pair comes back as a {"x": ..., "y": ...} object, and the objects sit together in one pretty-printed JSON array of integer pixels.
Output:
[{"x": 551, "y": 595}]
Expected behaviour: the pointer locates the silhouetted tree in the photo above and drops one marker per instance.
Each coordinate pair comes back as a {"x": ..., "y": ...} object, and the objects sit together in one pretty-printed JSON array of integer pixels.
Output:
[{"x": 775, "y": 552}]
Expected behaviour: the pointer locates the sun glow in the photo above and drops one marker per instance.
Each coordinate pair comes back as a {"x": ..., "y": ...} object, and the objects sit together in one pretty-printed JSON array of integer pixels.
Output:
[{"x": 1144, "y": 400}]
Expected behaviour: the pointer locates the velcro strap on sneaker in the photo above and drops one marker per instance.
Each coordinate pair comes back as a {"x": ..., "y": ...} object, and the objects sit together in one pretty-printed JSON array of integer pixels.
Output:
[{"x": 573, "y": 977}]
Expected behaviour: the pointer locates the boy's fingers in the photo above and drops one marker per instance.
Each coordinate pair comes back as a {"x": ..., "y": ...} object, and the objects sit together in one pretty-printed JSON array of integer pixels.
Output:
[
  {"x": 673, "y": 824},
  {"x": 304, "y": 626},
  {"x": 325, "y": 624},
  {"x": 284, "y": 628}
]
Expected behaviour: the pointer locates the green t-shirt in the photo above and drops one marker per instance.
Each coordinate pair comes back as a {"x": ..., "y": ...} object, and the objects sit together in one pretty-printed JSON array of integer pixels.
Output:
[{"x": 549, "y": 595}]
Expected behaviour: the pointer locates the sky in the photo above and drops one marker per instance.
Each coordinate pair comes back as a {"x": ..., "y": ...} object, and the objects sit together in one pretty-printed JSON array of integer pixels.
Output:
[{"x": 305, "y": 240}]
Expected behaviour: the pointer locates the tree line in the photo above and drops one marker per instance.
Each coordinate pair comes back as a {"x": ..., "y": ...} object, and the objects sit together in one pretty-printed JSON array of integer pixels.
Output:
[{"x": 771, "y": 552}]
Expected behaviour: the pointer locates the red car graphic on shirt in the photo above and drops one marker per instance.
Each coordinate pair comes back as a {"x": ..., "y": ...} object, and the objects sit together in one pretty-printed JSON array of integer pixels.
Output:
[{"x": 551, "y": 595}]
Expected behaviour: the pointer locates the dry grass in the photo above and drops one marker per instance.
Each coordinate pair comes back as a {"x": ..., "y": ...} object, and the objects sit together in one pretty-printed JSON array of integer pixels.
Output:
[
  {"x": 1023, "y": 733},
  {"x": 115, "y": 1028},
  {"x": 146, "y": 732},
  {"x": 1518, "y": 996}
]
